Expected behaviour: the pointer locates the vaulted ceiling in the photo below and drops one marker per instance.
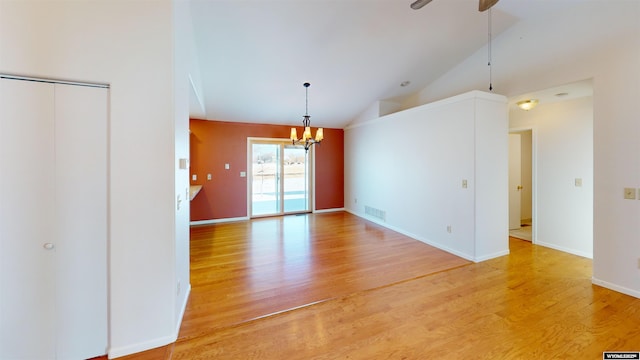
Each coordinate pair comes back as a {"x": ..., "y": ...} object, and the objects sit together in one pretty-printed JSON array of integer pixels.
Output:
[{"x": 254, "y": 55}]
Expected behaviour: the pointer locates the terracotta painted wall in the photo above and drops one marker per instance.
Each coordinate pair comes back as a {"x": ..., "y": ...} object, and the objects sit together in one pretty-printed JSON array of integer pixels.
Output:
[{"x": 216, "y": 143}]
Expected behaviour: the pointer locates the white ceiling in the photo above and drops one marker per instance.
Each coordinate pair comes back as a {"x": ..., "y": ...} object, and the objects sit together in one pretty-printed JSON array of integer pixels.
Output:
[{"x": 254, "y": 55}]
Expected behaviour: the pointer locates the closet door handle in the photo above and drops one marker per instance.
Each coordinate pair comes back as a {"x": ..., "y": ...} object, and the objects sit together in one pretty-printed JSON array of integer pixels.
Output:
[{"x": 48, "y": 246}]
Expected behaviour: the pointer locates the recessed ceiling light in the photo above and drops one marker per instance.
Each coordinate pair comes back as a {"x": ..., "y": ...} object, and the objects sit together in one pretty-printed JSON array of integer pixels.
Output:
[{"x": 405, "y": 83}]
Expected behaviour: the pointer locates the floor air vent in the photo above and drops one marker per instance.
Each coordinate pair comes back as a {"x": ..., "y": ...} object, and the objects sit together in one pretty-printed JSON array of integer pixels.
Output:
[{"x": 376, "y": 213}]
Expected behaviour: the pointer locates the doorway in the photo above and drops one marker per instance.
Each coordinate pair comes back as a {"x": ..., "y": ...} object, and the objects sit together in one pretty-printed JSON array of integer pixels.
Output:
[
  {"x": 521, "y": 185},
  {"x": 279, "y": 178}
]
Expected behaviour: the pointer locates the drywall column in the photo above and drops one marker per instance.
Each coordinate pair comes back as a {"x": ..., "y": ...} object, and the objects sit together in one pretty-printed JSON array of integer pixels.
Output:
[{"x": 437, "y": 173}]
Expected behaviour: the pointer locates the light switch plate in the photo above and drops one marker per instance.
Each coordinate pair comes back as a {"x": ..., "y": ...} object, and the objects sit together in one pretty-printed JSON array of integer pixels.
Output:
[
  {"x": 578, "y": 182},
  {"x": 630, "y": 193}
]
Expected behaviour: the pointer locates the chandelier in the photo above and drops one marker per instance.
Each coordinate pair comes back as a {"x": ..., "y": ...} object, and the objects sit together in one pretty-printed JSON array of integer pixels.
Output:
[{"x": 307, "y": 140}]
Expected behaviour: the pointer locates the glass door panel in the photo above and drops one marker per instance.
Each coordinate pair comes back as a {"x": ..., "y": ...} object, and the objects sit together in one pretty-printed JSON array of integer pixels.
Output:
[
  {"x": 295, "y": 181},
  {"x": 280, "y": 178},
  {"x": 265, "y": 179}
]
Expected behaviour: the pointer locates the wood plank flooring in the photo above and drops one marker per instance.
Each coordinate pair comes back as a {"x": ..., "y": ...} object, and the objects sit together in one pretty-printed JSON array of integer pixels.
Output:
[{"x": 333, "y": 286}]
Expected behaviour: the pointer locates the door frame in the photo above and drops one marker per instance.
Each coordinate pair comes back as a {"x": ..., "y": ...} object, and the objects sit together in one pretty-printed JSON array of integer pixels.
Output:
[
  {"x": 534, "y": 178},
  {"x": 515, "y": 180},
  {"x": 310, "y": 167}
]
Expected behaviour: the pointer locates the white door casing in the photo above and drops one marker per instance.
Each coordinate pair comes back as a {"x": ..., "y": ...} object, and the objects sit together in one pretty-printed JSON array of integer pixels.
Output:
[{"x": 515, "y": 181}]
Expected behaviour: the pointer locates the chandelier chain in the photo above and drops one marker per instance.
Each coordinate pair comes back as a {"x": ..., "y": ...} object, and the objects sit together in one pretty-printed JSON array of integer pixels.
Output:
[{"x": 306, "y": 140}]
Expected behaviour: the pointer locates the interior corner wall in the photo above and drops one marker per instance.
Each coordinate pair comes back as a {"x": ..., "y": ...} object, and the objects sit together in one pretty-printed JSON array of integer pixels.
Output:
[
  {"x": 127, "y": 44},
  {"x": 616, "y": 225},
  {"x": 563, "y": 153},
  {"x": 585, "y": 41},
  {"x": 216, "y": 143},
  {"x": 184, "y": 63},
  {"x": 414, "y": 185}
]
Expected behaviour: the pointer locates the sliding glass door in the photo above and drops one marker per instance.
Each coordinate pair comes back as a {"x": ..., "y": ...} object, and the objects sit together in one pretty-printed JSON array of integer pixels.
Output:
[{"x": 280, "y": 179}]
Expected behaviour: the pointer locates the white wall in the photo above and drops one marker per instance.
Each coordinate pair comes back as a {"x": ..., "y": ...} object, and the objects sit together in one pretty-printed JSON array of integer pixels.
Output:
[
  {"x": 563, "y": 153},
  {"x": 596, "y": 41},
  {"x": 411, "y": 165},
  {"x": 128, "y": 44}
]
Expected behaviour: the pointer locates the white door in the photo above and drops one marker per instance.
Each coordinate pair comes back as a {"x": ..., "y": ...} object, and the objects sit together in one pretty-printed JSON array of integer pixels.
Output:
[
  {"x": 81, "y": 221},
  {"x": 515, "y": 181},
  {"x": 53, "y": 221},
  {"x": 27, "y": 194}
]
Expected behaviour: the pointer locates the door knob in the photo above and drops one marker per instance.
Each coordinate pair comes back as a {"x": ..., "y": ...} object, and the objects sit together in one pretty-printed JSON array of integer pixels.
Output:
[{"x": 48, "y": 246}]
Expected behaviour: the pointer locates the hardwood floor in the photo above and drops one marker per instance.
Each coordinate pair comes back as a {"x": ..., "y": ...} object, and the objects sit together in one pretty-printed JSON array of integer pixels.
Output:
[{"x": 333, "y": 286}]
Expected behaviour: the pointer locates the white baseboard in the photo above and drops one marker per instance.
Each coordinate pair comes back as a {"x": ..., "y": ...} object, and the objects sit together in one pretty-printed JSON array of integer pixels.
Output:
[
  {"x": 414, "y": 236},
  {"x": 183, "y": 308},
  {"x": 327, "y": 210},
  {"x": 152, "y": 344},
  {"x": 143, "y": 346},
  {"x": 564, "y": 249},
  {"x": 217, "y": 221},
  {"x": 491, "y": 256},
  {"x": 614, "y": 287}
]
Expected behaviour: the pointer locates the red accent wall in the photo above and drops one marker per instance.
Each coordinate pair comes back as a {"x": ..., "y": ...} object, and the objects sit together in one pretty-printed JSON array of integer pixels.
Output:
[{"x": 216, "y": 143}]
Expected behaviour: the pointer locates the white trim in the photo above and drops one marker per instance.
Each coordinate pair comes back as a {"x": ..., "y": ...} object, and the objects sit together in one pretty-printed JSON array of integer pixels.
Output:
[
  {"x": 491, "y": 256},
  {"x": 249, "y": 179},
  {"x": 155, "y": 343},
  {"x": 614, "y": 287},
  {"x": 53, "y": 81},
  {"x": 310, "y": 170},
  {"x": 312, "y": 178},
  {"x": 183, "y": 309},
  {"x": 564, "y": 249},
  {"x": 217, "y": 221},
  {"x": 534, "y": 177},
  {"x": 328, "y": 210},
  {"x": 473, "y": 94},
  {"x": 198, "y": 95},
  {"x": 414, "y": 236},
  {"x": 143, "y": 346}
]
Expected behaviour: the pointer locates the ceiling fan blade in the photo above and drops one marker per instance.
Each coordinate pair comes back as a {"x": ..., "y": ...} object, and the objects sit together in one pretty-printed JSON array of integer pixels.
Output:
[
  {"x": 419, "y": 4},
  {"x": 484, "y": 4}
]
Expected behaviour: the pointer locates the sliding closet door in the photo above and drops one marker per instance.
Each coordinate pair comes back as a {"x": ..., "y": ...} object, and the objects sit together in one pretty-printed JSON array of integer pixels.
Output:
[
  {"x": 53, "y": 220},
  {"x": 81, "y": 221},
  {"x": 27, "y": 224}
]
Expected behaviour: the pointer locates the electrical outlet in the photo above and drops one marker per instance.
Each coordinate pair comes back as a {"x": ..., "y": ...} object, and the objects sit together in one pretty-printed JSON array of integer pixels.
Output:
[
  {"x": 194, "y": 177},
  {"x": 464, "y": 183},
  {"x": 630, "y": 193},
  {"x": 208, "y": 176},
  {"x": 449, "y": 229}
]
